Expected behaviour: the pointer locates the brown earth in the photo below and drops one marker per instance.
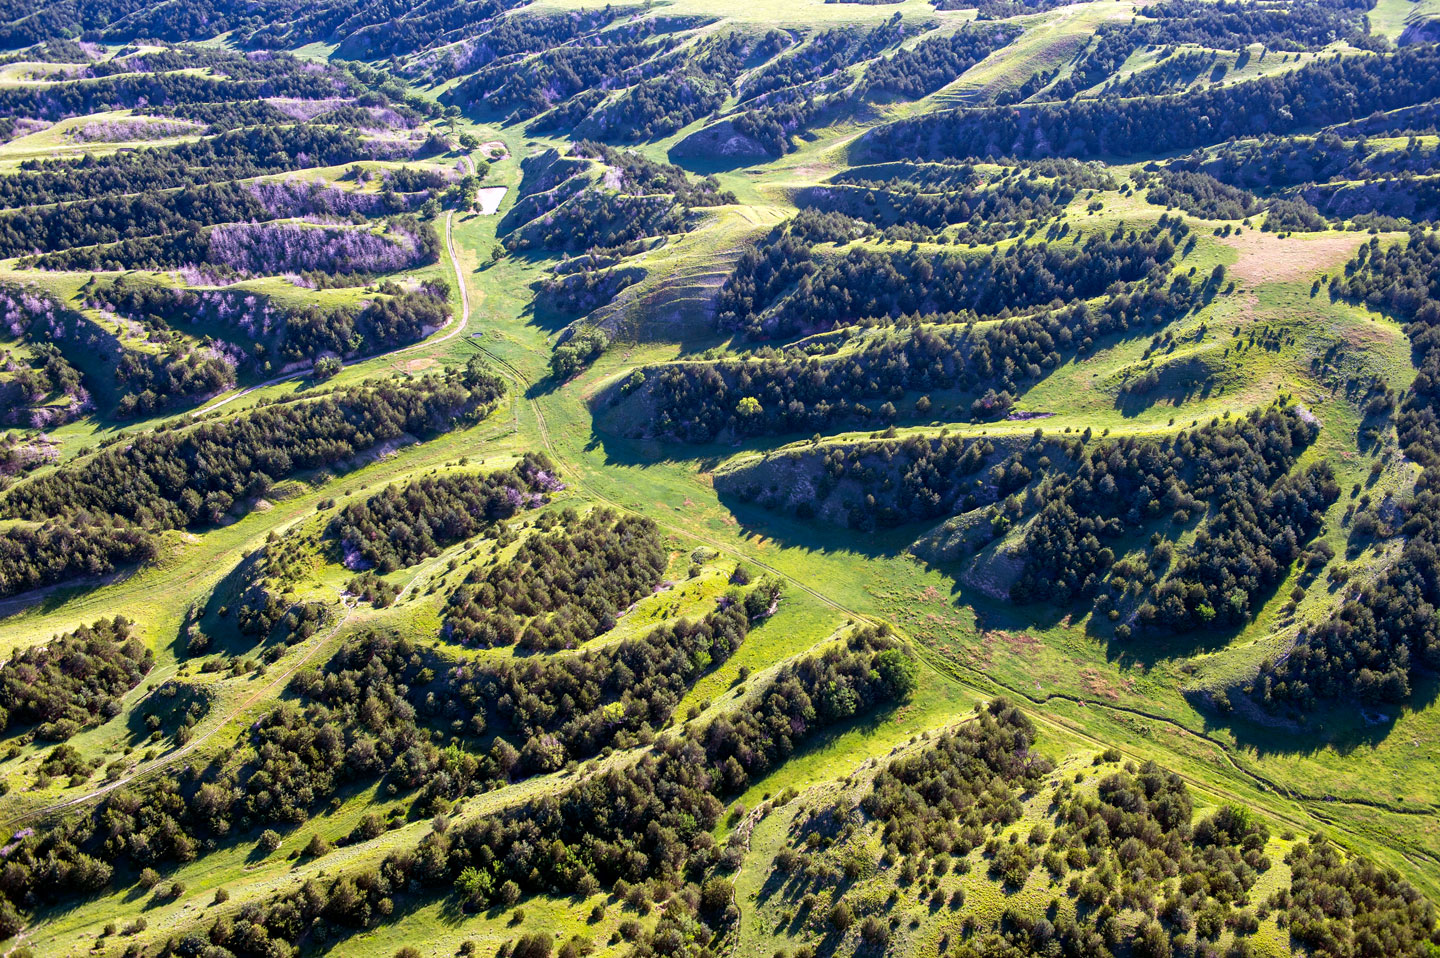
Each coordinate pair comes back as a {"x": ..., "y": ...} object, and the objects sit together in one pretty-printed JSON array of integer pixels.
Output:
[{"x": 1265, "y": 258}]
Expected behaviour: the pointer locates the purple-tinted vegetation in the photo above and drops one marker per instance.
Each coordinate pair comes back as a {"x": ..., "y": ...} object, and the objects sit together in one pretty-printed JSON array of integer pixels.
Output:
[
  {"x": 267, "y": 248},
  {"x": 120, "y": 131},
  {"x": 46, "y": 377},
  {"x": 292, "y": 197},
  {"x": 290, "y": 334},
  {"x": 20, "y": 307},
  {"x": 304, "y": 110}
]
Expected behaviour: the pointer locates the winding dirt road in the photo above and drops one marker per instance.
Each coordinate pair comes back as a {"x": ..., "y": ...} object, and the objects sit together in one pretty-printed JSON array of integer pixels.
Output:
[{"x": 278, "y": 683}]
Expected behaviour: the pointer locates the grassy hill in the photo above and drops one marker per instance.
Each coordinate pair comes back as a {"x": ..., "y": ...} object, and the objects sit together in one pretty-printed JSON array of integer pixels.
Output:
[{"x": 888, "y": 478}]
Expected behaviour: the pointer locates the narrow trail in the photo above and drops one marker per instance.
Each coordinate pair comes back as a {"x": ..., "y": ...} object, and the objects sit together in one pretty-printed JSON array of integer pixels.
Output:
[
  {"x": 270, "y": 688},
  {"x": 278, "y": 683}
]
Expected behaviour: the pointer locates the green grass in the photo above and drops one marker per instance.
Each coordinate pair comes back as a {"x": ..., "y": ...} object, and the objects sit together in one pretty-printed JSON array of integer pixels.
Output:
[
  {"x": 1390, "y": 18},
  {"x": 770, "y": 918},
  {"x": 1367, "y": 782}
]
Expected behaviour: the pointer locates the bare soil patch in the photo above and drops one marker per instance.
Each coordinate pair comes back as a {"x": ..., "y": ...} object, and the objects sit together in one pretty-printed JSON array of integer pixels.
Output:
[{"x": 1265, "y": 258}]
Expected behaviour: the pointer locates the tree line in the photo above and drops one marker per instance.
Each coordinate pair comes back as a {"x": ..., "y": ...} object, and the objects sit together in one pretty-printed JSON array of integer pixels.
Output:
[
  {"x": 938, "y": 195},
  {"x": 522, "y": 88},
  {"x": 111, "y": 218},
  {"x": 83, "y": 97},
  {"x": 279, "y": 335},
  {"x": 73, "y": 681},
  {"x": 358, "y": 722},
  {"x": 261, "y": 150},
  {"x": 345, "y": 254},
  {"x": 1374, "y": 646},
  {"x": 1329, "y": 91},
  {"x": 191, "y": 476},
  {"x": 645, "y": 821},
  {"x": 786, "y": 285},
  {"x": 794, "y": 392},
  {"x": 1237, "y": 474}
]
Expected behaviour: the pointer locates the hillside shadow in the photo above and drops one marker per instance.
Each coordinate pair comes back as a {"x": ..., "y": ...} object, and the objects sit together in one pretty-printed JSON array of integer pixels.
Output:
[
  {"x": 1131, "y": 404},
  {"x": 1001, "y": 615},
  {"x": 542, "y": 387},
  {"x": 165, "y": 710},
  {"x": 1343, "y": 726},
  {"x": 536, "y": 313},
  {"x": 51, "y": 598},
  {"x": 216, "y": 619},
  {"x": 1146, "y": 650},
  {"x": 1005, "y": 617},
  {"x": 625, "y": 452},
  {"x": 703, "y": 166},
  {"x": 812, "y": 131},
  {"x": 816, "y": 535}
]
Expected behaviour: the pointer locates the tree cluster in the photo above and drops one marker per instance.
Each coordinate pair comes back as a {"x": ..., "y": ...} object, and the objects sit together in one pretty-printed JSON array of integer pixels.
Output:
[
  {"x": 1374, "y": 645},
  {"x": 402, "y": 525},
  {"x": 1201, "y": 195},
  {"x": 793, "y": 392},
  {"x": 1132, "y": 846},
  {"x": 914, "y": 72},
  {"x": 194, "y": 475},
  {"x": 279, "y": 334},
  {"x": 239, "y": 154},
  {"x": 934, "y": 196},
  {"x": 646, "y": 821},
  {"x": 1237, "y": 473},
  {"x": 1321, "y": 905},
  {"x": 566, "y": 584},
  {"x": 81, "y": 543},
  {"x": 786, "y": 285},
  {"x": 947, "y": 797},
  {"x": 73, "y": 681},
  {"x": 151, "y": 381}
]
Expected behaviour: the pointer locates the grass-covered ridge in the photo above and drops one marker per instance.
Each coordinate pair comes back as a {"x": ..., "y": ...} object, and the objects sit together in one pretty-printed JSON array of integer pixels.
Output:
[{"x": 801, "y": 480}]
